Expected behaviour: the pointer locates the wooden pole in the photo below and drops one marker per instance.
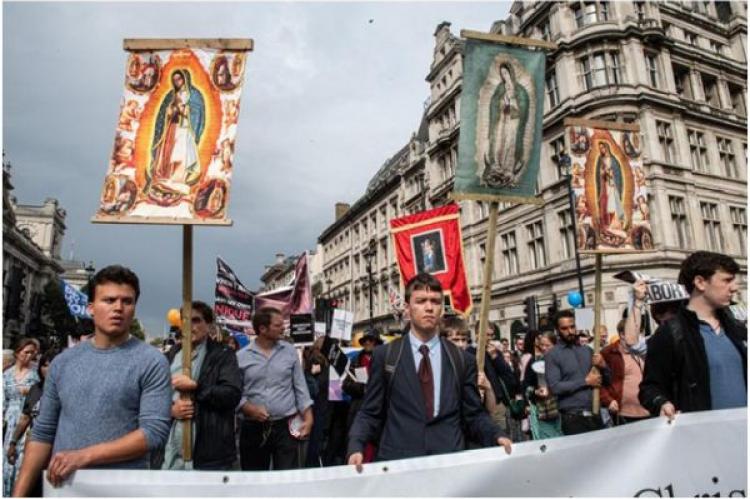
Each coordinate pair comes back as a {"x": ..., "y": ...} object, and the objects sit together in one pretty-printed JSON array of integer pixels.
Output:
[
  {"x": 597, "y": 321},
  {"x": 187, "y": 332},
  {"x": 489, "y": 261}
]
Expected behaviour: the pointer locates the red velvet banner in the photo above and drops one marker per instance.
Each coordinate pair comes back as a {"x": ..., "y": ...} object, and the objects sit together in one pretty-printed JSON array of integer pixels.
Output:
[{"x": 430, "y": 241}]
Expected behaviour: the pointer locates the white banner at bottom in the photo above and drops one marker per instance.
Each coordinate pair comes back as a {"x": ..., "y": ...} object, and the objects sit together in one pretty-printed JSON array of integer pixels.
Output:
[{"x": 700, "y": 453}]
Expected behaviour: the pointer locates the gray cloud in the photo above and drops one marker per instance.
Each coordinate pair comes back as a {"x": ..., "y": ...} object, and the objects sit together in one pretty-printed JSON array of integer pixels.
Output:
[{"x": 329, "y": 96}]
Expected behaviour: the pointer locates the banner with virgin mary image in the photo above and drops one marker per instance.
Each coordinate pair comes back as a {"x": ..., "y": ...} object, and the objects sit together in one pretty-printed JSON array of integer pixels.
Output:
[
  {"x": 174, "y": 143},
  {"x": 609, "y": 186},
  {"x": 501, "y": 123}
]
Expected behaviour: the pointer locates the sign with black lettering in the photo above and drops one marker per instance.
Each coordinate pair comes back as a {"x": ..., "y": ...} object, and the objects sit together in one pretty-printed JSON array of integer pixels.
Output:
[
  {"x": 302, "y": 329},
  {"x": 659, "y": 291}
]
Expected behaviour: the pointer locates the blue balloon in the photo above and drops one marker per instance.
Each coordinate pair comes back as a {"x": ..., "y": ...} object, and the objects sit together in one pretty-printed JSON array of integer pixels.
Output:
[{"x": 575, "y": 299}]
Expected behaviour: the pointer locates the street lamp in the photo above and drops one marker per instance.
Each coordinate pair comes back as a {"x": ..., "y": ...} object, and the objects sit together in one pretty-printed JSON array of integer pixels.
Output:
[
  {"x": 564, "y": 165},
  {"x": 90, "y": 269},
  {"x": 368, "y": 254}
]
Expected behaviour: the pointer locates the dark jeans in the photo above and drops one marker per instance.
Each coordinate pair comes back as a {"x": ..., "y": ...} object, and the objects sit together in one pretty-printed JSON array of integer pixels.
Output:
[
  {"x": 575, "y": 422},
  {"x": 261, "y": 442}
]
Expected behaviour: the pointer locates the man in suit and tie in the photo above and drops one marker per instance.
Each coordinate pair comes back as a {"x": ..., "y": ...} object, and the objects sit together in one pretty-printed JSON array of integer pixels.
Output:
[{"x": 422, "y": 391}]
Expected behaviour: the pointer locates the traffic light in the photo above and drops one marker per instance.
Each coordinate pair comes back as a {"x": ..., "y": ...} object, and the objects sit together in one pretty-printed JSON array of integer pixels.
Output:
[
  {"x": 552, "y": 310},
  {"x": 529, "y": 311}
]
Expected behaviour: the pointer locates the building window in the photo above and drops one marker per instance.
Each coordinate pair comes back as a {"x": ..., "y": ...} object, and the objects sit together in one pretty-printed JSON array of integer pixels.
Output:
[
  {"x": 716, "y": 47},
  {"x": 691, "y": 38},
  {"x": 510, "y": 253},
  {"x": 590, "y": 12},
  {"x": 546, "y": 30},
  {"x": 679, "y": 221},
  {"x": 666, "y": 141},
  {"x": 553, "y": 96},
  {"x": 652, "y": 68},
  {"x": 557, "y": 147},
  {"x": 482, "y": 254},
  {"x": 712, "y": 227},
  {"x": 599, "y": 69},
  {"x": 567, "y": 233},
  {"x": 640, "y": 10},
  {"x": 710, "y": 90},
  {"x": 726, "y": 157},
  {"x": 682, "y": 81},
  {"x": 535, "y": 236},
  {"x": 739, "y": 224},
  {"x": 481, "y": 210},
  {"x": 698, "y": 153},
  {"x": 737, "y": 95}
]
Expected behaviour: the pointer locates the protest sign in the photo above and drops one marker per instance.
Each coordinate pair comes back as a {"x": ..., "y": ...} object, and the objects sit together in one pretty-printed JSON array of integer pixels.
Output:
[
  {"x": 609, "y": 186},
  {"x": 233, "y": 303},
  {"x": 585, "y": 319},
  {"x": 701, "y": 454},
  {"x": 301, "y": 327},
  {"x": 76, "y": 300},
  {"x": 174, "y": 144},
  {"x": 341, "y": 327},
  {"x": 430, "y": 241},
  {"x": 502, "y": 101}
]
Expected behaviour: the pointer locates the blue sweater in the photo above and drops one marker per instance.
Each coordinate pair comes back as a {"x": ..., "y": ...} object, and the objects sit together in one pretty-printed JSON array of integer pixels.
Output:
[{"x": 94, "y": 395}]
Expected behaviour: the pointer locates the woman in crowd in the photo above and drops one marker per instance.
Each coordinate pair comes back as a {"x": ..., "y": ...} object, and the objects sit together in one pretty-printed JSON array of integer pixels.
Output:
[
  {"x": 17, "y": 382},
  {"x": 544, "y": 418},
  {"x": 29, "y": 413}
]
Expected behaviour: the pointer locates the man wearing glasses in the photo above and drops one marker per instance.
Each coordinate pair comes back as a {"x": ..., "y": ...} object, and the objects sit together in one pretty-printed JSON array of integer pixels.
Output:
[{"x": 207, "y": 398}]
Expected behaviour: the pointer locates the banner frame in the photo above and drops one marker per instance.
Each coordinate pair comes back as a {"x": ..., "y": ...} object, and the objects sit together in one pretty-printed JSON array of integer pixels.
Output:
[
  {"x": 148, "y": 44},
  {"x": 109, "y": 219}
]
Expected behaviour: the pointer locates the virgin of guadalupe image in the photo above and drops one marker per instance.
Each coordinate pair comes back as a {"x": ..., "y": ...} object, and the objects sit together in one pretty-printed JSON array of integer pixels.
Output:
[
  {"x": 609, "y": 189},
  {"x": 509, "y": 109},
  {"x": 175, "y": 163}
]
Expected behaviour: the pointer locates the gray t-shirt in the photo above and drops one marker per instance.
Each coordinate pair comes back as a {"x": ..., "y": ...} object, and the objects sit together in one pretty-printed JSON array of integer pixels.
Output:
[{"x": 95, "y": 395}]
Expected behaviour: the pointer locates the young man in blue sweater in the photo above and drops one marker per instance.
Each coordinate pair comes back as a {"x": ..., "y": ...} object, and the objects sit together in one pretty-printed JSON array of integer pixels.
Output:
[{"x": 106, "y": 402}]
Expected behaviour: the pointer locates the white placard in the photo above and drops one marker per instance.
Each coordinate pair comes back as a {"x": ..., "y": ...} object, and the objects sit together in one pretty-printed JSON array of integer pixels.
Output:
[
  {"x": 341, "y": 327},
  {"x": 585, "y": 319}
]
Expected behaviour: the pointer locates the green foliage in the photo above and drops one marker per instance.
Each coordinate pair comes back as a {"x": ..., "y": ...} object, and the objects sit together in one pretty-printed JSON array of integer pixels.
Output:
[
  {"x": 136, "y": 329},
  {"x": 56, "y": 317}
]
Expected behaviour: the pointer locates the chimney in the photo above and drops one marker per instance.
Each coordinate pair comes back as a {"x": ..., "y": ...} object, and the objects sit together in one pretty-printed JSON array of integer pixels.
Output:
[
  {"x": 341, "y": 209},
  {"x": 279, "y": 258}
]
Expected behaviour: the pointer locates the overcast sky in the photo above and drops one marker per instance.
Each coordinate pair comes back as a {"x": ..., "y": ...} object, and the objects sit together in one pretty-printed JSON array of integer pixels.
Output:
[{"x": 332, "y": 91}]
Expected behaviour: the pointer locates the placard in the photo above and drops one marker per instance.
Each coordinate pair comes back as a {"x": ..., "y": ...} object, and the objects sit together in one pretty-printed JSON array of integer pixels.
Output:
[{"x": 301, "y": 327}]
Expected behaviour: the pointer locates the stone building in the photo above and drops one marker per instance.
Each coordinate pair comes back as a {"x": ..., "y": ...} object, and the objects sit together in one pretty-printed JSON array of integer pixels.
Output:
[
  {"x": 678, "y": 69},
  {"x": 32, "y": 238}
]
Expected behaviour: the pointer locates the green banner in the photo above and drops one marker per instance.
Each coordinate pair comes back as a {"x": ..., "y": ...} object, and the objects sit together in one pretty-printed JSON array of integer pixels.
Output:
[{"x": 502, "y": 104}]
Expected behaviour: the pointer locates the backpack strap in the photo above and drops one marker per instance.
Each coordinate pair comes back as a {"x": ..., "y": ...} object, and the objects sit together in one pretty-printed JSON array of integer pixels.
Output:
[
  {"x": 457, "y": 361},
  {"x": 392, "y": 358}
]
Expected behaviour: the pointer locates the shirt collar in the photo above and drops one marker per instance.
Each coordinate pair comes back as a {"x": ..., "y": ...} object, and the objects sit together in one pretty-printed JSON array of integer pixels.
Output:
[{"x": 432, "y": 343}]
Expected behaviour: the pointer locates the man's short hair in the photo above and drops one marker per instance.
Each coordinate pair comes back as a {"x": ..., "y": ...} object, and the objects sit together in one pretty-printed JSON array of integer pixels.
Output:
[
  {"x": 263, "y": 317},
  {"x": 704, "y": 264},
  {"x": 422, "y": 281},
  {"x": 205, "y": 310},
  {"x": 454, "y": 323},
  {"x": 563, "y": 314},
  {"x": 116, "y": 274}
]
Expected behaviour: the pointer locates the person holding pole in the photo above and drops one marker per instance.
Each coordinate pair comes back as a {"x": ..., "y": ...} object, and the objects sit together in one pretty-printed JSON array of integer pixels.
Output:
[
  {"x": 106, "y": 402},
  {"x": 698, "y": 360},
  {"x": 213, "y": 391},
  {"x": 422, "y": 389},
  {"x": 571, "y": 376},
  {"x": 274, "y": 392}
]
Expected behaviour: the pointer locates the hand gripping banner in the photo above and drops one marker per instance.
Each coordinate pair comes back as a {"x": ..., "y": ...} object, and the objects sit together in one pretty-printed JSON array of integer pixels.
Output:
[{"x": 430, "y": 241}]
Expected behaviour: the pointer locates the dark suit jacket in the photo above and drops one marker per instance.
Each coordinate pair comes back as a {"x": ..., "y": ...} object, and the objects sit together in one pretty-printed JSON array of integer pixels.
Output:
[{"x": 400, "y": 424}]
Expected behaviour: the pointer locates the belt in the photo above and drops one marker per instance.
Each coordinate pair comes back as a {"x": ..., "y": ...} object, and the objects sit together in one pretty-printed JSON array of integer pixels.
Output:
[{"x": 577, "y": 412}]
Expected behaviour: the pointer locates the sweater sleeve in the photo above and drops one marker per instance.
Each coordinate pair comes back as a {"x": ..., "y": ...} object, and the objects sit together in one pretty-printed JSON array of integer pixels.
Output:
[
  {"x": 553, "y": 375},
  {"x": 154, "y": 417},
  {"x": 45, "y": 425}
]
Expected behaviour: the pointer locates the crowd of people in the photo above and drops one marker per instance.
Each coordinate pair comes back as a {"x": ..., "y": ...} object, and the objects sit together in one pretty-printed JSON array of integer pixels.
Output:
[{"x": 116, "y": 402}]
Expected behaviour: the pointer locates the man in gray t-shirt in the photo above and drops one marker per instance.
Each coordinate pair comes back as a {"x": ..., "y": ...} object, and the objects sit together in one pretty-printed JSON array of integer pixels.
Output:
[{"x": 106, "y": 402}]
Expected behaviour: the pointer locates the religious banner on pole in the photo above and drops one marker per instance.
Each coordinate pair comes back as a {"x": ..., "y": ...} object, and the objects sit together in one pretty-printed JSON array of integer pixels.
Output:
[
  {"x": 233, "y": 303},
  {"x": 609, "y": 185},
  {"x": 430, "y": 241},
  {"x": 502, "y": 101},
  {"x": 174, "y": 144}
]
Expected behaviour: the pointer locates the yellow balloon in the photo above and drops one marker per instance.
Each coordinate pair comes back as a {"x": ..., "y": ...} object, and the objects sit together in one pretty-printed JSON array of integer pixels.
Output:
[{"x": 173, "y": 317}]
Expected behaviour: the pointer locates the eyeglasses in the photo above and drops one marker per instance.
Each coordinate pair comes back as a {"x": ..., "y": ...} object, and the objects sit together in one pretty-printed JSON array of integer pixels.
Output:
[{"x": 196, "y": 320}]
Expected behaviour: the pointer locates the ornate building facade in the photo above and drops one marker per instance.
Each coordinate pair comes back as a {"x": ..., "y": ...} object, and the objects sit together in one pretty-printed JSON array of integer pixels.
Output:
[{"x": 678, "y": 69}]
